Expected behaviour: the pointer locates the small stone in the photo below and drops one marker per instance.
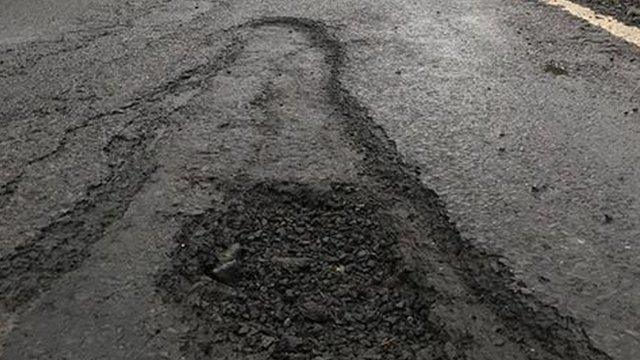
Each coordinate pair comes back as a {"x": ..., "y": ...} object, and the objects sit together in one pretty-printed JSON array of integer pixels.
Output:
[
  {"x": 372, "y": 356},
  {"x": 323, "y": 357},
  {"x": 244, "y": 329},
  {"x": 425, "y": 354},
  {"x": 555, "y": 68},
  {"x": 450, "y": 350},
  {"x": 633, "y": 11},
  {"x": 292, "y": 263},
  {"x": 289, "y": 295},
  {"x": 289, "y": 344},
  {"x": 406, "y": 355},
  {"x": 267, "y": 341},
  {"x": 227, "y": 272},
  {"x": 391, "y": 319},
  {"x": 526, "y": 291},
  {"x": 230, "y": 254},
  {"x": 314, "y": 312}
]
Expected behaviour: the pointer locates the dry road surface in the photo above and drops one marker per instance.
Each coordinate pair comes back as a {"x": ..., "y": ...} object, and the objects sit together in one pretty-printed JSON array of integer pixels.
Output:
[{"x": 322, "y": 180}]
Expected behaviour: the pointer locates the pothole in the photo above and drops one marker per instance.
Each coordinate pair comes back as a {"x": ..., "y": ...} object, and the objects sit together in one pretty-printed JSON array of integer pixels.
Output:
[{"x": 291, "y": 271}]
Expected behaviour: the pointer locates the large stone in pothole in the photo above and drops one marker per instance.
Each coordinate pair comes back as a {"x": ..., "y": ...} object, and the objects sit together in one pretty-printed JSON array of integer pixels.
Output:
[{"x": 292, "y": 263}]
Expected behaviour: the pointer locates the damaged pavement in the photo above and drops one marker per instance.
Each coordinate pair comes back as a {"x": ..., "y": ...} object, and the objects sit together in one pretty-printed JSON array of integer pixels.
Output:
[{"x": 213, "y": 180}]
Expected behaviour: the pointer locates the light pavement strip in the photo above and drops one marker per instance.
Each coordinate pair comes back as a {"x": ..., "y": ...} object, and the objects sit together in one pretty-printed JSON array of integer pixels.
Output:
[{"x": 628, "y": 33}]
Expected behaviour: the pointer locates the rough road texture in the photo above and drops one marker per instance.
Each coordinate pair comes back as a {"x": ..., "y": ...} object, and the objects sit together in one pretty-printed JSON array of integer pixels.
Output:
[{"x": 233, "y": 199}]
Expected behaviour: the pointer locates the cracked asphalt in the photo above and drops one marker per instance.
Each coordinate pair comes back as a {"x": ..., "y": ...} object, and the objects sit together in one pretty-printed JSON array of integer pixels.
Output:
[{"x": 316, "y": 180}]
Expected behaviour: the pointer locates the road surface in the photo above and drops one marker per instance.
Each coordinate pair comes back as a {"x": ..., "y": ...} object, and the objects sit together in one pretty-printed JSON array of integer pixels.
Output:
[{"x": 317, "y": 180}]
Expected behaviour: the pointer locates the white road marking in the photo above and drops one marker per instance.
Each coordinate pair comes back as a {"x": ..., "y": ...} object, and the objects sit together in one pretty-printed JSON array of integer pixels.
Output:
[{"x": 626, "y": 32}]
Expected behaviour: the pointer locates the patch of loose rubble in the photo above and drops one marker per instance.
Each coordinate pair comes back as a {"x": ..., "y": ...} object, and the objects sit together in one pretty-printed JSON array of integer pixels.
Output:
[{"x": 290, "y": 271}]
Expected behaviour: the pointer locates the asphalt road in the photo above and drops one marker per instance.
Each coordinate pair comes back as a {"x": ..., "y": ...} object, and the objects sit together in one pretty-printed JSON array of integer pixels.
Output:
[{"x": 496, "y": 141}]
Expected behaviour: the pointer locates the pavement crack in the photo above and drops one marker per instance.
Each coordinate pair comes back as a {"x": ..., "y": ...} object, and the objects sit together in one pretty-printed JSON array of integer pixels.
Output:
[{"x": 64, "y": 244}]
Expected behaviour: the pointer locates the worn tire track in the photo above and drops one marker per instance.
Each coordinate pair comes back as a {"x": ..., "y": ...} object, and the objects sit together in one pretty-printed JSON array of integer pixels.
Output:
[{"x": 62, "y": 246}]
